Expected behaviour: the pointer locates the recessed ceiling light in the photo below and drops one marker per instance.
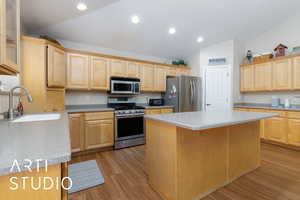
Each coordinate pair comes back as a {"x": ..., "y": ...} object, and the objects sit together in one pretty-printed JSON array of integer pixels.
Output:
[
  {"x": 172, "y": 31},
  {"x": 135, "y": 19},
  {"x": 81, "y": 6},
  {"x": 200, "y": 39}
]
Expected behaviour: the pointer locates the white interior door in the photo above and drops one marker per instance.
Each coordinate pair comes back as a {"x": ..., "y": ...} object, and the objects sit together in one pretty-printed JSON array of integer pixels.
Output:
[{"x": 217, "y": 88}]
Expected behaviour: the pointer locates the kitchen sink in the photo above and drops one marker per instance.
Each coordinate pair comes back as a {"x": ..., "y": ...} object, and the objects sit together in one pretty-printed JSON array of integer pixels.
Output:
[{"x": 37, "y": 117}]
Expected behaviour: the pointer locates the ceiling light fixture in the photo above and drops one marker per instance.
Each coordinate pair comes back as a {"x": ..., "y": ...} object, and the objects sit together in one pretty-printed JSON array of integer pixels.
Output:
[
  {"x": 81, "y": 6},
  {"x": 135, "y": 19},
  {"x": 200, "y": 39},
  {"x": 172, "y": 31}
]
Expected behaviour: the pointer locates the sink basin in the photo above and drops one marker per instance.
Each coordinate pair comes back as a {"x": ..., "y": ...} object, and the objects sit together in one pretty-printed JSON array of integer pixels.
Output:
[{"x": 37, "y": 117}]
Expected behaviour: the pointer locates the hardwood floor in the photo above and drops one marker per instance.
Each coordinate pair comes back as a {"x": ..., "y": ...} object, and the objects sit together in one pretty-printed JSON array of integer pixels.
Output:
[{"x": 125, "y": 179}]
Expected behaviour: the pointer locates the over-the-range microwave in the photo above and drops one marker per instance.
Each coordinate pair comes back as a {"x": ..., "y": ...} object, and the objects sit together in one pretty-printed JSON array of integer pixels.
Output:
[{"x": 129, "y": 86}]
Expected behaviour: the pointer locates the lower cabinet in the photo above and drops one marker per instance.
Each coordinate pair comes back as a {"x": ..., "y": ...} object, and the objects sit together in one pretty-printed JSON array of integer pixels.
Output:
[
  {"x": 99, "y": 133},
  {"x": 294, "y": 132},
  {"x": 276, "y": 129},
  {"x": 157, "y": 111},
  {"x": 91, "y": 130}
]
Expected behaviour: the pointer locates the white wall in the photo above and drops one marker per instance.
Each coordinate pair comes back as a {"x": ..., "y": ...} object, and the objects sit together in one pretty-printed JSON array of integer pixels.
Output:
[{"x": 287, "y": 33}]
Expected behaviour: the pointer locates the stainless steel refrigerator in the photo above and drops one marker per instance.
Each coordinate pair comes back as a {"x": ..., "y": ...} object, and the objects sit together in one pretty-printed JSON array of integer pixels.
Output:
[{"x": 184, "y": 93}]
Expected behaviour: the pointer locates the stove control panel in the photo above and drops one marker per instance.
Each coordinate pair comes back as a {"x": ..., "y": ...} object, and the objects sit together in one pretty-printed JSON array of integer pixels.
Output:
[{"x": 129, "y": 112}]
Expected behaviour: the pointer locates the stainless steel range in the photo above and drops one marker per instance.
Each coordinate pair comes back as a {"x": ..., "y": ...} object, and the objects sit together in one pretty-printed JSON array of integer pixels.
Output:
[{"x": 129, "y": 122}]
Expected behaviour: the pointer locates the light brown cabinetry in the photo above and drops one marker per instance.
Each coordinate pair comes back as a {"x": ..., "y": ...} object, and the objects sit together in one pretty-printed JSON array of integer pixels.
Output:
[
  {"x": 160, "y": 77},
  {"x": 77, "y": 71},
  {"x": 157, "y": 111},
  {"x": 56, "y": 67},
  {"x": 76, "y": 125},
  {"x": 247, "y": 78},
  {"x": 296, "y": 73},
  {"x": 99, "y": 76},
  {"x": 35, "y": 75},
  {"x": 118, "y": 68},
  {"x": 263, "y": 77},
  {"x": 9, "y": 37},
  {"x": 133, "y": 70},
  {"x": 147, "y": 77},
  {"x": 294, "y": 132},
  {"x": 282, "y": 74},
  {"x": 99, "y": 130},
  {"x": 276, "y": 129}
]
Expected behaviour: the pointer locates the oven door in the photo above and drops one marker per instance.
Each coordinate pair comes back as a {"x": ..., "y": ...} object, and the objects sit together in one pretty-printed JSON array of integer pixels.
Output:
[
  {"x": 121, "y": 87},
  {"x": 128, "y": 127}
]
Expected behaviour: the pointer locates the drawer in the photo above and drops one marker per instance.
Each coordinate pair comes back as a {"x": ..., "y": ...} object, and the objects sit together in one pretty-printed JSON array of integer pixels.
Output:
[
  {"x": 152, "y": 111},
  {"x": 98, "y": 115},
  {"x": 293, "y": 115},
  {"x": 241, "y": 109},
  {"x": 166, "y": 110},
  {"x": 281, "y": 113}
]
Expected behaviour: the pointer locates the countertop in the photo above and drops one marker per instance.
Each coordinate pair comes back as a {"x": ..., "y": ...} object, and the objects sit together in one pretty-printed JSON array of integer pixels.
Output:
[
  {"x": 47, "y": 140},
  {"x": 211, "y": 119},
  {"x": 267, "y": 106},
  {"x": 102, "y": 107}
]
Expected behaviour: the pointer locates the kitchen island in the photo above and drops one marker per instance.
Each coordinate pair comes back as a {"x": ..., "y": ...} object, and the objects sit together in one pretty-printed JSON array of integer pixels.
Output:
[{"x": 189, "y": 155}]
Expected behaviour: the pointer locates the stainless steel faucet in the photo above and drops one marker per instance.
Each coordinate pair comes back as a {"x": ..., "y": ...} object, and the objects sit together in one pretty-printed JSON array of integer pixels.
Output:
[{"x": 11, "y": 100}]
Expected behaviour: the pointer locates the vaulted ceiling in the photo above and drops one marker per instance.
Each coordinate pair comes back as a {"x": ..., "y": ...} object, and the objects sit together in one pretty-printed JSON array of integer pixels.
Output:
[{"x": 107, "y": 22}]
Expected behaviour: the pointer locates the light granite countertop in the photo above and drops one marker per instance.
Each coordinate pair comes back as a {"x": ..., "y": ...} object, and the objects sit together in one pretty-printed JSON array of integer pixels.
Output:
[
  {"x": 47, "y": 140},
  {"x": 211, "y": 119},
  {"x": 267, "y": 106}
]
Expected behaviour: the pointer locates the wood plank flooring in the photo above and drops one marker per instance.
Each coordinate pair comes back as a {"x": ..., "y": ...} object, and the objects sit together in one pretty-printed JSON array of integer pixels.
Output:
[{"x": 125, "y": 179}]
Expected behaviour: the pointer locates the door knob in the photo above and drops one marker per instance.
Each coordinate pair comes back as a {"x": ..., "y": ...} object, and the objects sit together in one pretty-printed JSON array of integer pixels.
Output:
[{"x": 208, "y": 104}]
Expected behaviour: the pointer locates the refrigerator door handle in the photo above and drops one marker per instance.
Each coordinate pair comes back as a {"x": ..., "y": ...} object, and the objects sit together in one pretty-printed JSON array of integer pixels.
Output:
[{"x": 192, "y": 92}]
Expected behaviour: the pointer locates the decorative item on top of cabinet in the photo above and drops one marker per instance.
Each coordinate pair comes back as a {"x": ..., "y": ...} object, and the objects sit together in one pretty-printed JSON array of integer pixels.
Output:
[
  {"x": 263, "y": 76},
  {"x": 282, "y": 74},
  {"x": 99, "y": 73},
  {"x": 56, "y": 68},
  {"x": 280, "y": 50},
  {"x": 147, "y": 77},
  {"x": 77, "y": 71},
  {"x": 133, "y": 70},
  {"x": 160, "y": 76},
  {"x": 118, "y": 68},
  {"x": 9, "y": 37}
]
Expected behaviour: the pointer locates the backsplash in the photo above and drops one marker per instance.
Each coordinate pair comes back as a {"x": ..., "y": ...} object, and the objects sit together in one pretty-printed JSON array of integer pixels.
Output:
[
  {"x": 4, "y": 102},
  {"x": 265, "y": 97},
  {"x": 7, "y": 83},
  {"x": 99, "y": 97}
]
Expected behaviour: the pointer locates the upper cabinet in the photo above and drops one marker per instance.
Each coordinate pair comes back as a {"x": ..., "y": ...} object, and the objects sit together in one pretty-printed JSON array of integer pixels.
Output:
[
  {"x": 279, "y": 74},
  {"x": 10, "y": 37},
  {"x": 56, "y": 68},
  {"x": 282, "y": 74},
  {"x": 147, "y": 77},
  {"x": 133, "y": 70},
  {"x": 118, "y": 68},
  {"x": 77, "y": 71},
  {"x": 99, "y": 76},
  {"x": 160, "y": 76}
]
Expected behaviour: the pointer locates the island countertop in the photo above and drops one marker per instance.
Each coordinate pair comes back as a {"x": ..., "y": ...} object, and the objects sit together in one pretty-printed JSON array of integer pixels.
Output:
[
  {"x": 47, "y": 140},
  {"x": 209, "y": 119}
]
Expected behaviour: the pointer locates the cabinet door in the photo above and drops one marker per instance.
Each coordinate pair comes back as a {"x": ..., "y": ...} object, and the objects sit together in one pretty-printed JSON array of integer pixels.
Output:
[
  {"x": 296, "y": 73},
  {"x": 160, "y": 79},
  {"x": 147, "y": 77},
  {"x": 76, "y": 132},
  {"x": 294, "y": 132},
  {"x": 99, "y": 133},
  {"x": 276, "y": 129},
  {"x": 78, "y": 71},
  {"x": 10, "y": 36},
  {"x": 166, "y": 110},
  {"x": 99, "y": 73},
  {"x": 118, "y": 68},
  {"x": 263, "y": 77},
  {"x": 133, "y": 70},
  {"x": 282, "y": 74},
  {"x": 56, "y": 68},
  {"x": 55, "y": 100},
  {"x": 171, "y": 71},
  {"x": 247, "y": 78},
  {"x": 153, "y": 111}
]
